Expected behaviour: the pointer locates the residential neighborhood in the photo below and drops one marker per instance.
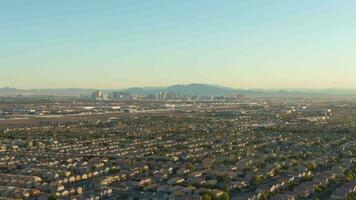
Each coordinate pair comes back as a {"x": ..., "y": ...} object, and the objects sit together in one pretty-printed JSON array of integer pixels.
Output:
[{"x": 257, "y": 149}]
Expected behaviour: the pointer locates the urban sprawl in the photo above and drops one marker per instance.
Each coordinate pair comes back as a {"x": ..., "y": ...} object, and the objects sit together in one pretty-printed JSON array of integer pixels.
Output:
[{"x": 169, "y": 146}]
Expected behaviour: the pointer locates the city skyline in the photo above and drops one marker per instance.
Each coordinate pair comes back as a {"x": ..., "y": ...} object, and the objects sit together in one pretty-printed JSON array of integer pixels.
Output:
[{"x": 121, "y": 44}]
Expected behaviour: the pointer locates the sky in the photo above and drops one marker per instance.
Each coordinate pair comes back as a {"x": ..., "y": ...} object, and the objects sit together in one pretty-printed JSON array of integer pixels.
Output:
[{"x": 124, "y": 43}]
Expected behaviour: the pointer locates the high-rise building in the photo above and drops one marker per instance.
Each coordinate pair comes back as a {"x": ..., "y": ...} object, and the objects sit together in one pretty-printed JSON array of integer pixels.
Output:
[
  {"x": 105, "y": 96},
  {"x": 121, "y": 95},
  {"x": 97, "y": 95},
  {"x": 161, "y": 95}
]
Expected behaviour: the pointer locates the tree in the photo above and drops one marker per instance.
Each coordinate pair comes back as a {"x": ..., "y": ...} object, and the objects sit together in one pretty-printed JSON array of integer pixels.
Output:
[
  {"x": 257, "y": 180},
  {"x": 312, "y": 165},
  {"x": 52, "y": 197},
  {"x": 349, "y": 175},
  {"x": 351, "y": 197},
  {"x": 206, "y": 197},
  {"x": 225, "y": 196},
  {"x": 190, "y": 166}
]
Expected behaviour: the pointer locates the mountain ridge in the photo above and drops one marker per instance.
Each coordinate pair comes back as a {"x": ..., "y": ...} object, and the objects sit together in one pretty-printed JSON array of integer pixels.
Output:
[{"x": 200, "y": 89}]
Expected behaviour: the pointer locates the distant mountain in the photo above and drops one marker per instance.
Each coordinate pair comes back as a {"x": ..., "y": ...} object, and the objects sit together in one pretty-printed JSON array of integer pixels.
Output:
[
  {"x": 217, "y": 90},
  {"x": 190, "y": 89},
  {"x": 200, "y": 90},
  {"x": 9, "y": 90},
  {"x": 49, "y": 92},
  {"x": 143, "y": 90},
  {"x": 300, "y": 93}
]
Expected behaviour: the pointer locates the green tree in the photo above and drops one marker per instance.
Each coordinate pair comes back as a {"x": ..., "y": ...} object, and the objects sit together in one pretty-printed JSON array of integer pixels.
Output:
[
  {"x": 206, "y": 197},
  {"x": 257, "y": 180},
  {"x": 225, "y": 196},
  {"x": 349, "y": 175},
  {"x": 52, "y": 197},
  {"x": 312, "y": 165}
]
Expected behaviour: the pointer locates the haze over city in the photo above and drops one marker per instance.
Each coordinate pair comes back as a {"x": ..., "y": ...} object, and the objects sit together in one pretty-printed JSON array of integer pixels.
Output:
[{"x": 120, "y": 44}]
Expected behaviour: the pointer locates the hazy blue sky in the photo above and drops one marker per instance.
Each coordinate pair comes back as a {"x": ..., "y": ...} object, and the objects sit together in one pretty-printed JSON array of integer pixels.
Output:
[{"x": 117, "y": 44}]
